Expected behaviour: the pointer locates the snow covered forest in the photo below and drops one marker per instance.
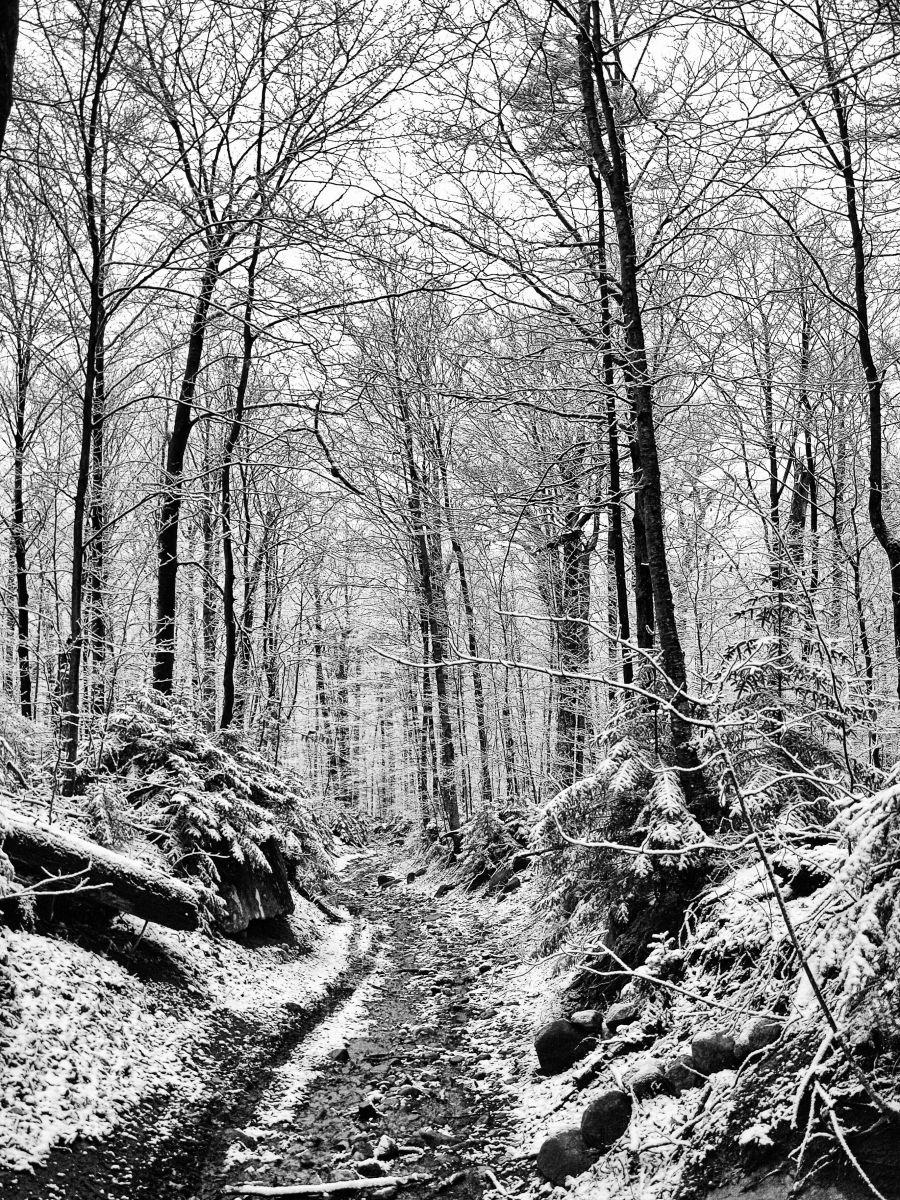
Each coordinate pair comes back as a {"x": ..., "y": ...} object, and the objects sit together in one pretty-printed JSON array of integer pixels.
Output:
[{"x": 450, "y": 655}]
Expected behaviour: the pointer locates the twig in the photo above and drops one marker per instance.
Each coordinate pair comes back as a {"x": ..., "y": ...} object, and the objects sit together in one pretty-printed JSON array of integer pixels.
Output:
[
  {"x": 448, "y": 1181},
  {"x": 337, "y": 1188},
  {"x": 809, "y": 1075},
  {"x": 688, "y": 1126},
  {"x": 493, "y": 1180}
]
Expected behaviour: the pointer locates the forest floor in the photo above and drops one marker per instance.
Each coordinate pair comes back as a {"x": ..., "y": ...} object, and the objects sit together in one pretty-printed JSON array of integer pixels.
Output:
[
  {"x": 407, "y": 1062},
  {"x": 398, "y": 1044}
]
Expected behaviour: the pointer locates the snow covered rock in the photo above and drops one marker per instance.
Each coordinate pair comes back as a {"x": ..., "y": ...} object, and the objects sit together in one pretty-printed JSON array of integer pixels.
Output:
[
  {"x": 682, "y": 1074},
  {"x": 713, "y": 1051},
  {"x": 625, "y": 1012},
  {"x": 563, "y": 1155},
  {"x": 559, "y": 1045},
  {"x": 648, "y": 1079},
  {"x": 588, "y": 1019},
  {"x": 606, "y": 1119},
  {"x": 755, "y": 1034}
]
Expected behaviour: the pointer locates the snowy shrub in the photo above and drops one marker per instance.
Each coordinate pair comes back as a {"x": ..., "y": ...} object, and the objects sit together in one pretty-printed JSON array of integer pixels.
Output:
[
  {"x": 107, "y": 816},
  {"x": 488, "y": 841},
  {"x": 622, "y": 853},
  {"x": 206, "y": 796},
  {"x": 22, "y": 742},
  {"x": 590, "y": 894}
]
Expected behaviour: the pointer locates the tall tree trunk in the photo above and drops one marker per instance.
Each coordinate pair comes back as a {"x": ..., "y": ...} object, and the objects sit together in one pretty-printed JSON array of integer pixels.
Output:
[
  {"x": 339, "y": 747},
  {"x": 20, "y": 551},
  {"x": 173, "y": 485},
  {"x": 248, "y": 340},
  {"x": 252, "y": 572},
  {"x": 643, "y": 579},
  {"x": 107, "y": 36},
  {"x": 271, "y": 722},
  {"x": 9, "y": 36},
  {"x": 869, "y": 666},
  {"x": 619, "y": 619},
  {"x": 609, "y": 155},
  {"x": 773, "y": 532},
  {"x": 836, "y": 552},
  {"x": 72, "y": 693},
  {"x": 572, "y": 696},
  {"x": 812, "y": 485},
  {"x": 511, "y": 770},
  {"x": 210, "y": 600},
  {"x": 433, "y": 608},
  {"x": 323, "y": 709},
  {"x": 485, "y": 791},
  {"x": 97, "y": 582},
  {"x": 427, "y": 755},
  {"x": 887, "y": 538}
]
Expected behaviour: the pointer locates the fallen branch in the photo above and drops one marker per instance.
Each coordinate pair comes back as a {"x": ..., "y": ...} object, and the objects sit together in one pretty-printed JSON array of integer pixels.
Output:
[
  {"x": 338, "y": 1188},
  {"x": 114, "y": 880},
  {"x": 334, "y": 917},
  {"x": 450, "y": 1180}
]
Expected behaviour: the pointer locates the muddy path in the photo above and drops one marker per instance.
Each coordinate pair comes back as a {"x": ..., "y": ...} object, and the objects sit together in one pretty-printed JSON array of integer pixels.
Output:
[
  {"x": 402, "y": 1079},
  {"x": 398, "y": 1070}
]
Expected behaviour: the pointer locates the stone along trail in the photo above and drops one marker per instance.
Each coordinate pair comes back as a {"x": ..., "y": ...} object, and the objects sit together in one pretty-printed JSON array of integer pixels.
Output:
[{"x": 408, "y": 1076}]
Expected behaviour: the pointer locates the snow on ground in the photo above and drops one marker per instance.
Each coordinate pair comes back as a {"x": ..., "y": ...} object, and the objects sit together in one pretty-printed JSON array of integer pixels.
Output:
[
  {"x": 527, "y": 993},
  {"x": 89, "y": 1038},
  {"x": 290, "y": 1082}
]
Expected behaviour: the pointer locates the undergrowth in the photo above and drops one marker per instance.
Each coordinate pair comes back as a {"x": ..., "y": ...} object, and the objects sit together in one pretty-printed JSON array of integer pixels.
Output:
[{"x": 195, "y": 796}]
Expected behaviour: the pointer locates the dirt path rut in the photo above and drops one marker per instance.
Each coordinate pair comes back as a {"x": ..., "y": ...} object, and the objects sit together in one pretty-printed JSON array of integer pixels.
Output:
[{"x": 407, "y": 1075}]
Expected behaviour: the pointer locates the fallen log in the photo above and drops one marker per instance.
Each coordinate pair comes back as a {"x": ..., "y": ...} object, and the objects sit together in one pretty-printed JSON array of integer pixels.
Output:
[
  {"x": 337, "y": 1188},
  {"x": 115, "y": 880}
]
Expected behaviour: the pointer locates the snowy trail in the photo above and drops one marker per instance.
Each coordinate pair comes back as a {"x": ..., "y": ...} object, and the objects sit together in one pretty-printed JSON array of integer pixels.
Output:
[
  {"x": 406, "y": 1076},
  {"x": 409, "y": 1047}
]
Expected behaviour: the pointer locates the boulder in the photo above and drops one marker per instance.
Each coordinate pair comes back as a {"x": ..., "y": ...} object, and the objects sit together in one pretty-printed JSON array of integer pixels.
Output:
[
  {"x": 250, "y": 891},
  {"x": 588, "y": 1019},
  {"x": 385, "y": 881},
  {"x": 606, "y": 1119},
  {"x": 625, "y": 1012},
  {"x": 755, "y": 1034},
  {"x": 559, "y": 1045},
  {"x": 499, "y": 878},
  {"x": 713, "y": 1051},
  {"x": 648, "y": 1079},
  {"x": 682, "y": 1074},
  {"x": 562, "y": 1155}
]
